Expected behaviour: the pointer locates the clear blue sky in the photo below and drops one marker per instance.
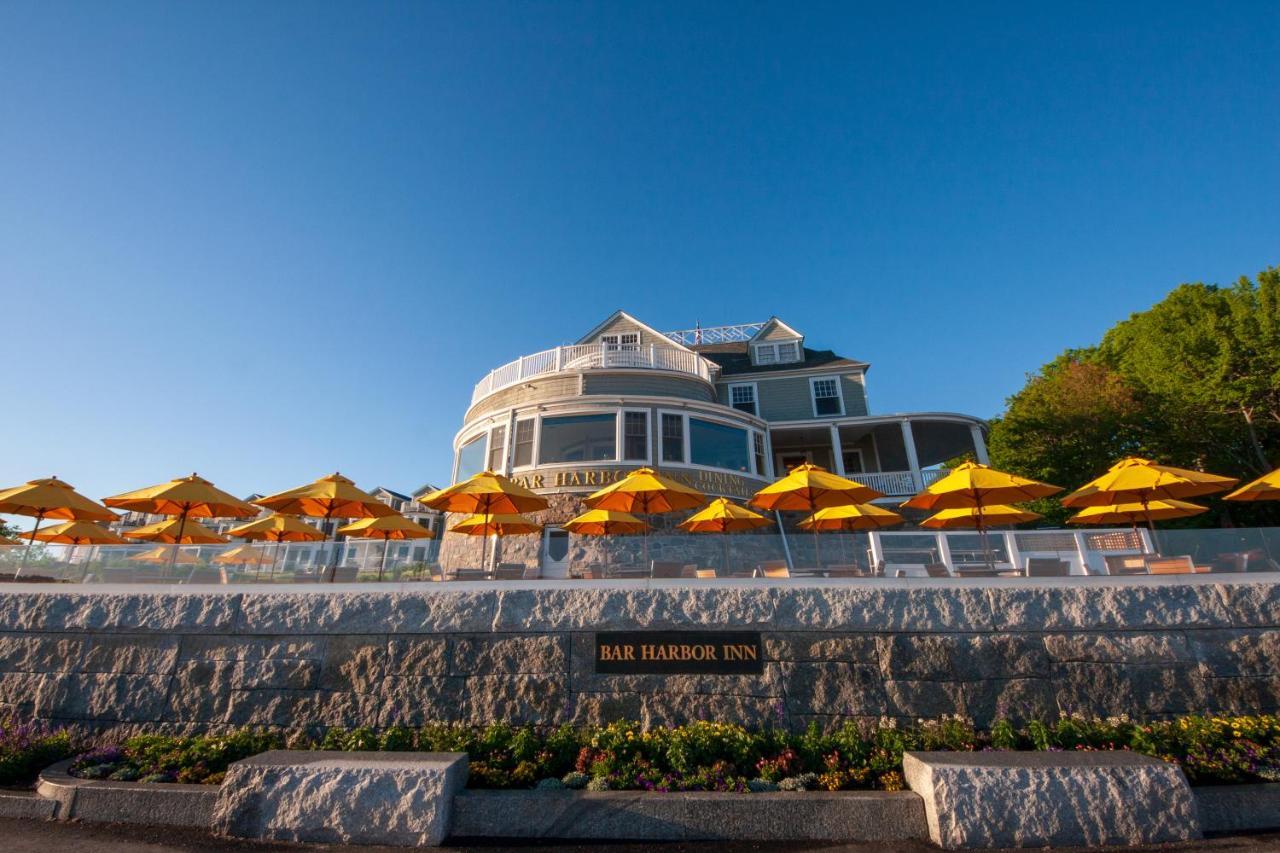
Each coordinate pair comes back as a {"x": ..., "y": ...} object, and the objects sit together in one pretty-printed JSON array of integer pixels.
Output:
[{"x": 267, "y": 240}]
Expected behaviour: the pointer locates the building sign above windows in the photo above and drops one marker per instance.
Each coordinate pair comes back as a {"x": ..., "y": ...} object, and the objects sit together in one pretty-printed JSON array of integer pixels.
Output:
[{"x": 592, "y": 478}]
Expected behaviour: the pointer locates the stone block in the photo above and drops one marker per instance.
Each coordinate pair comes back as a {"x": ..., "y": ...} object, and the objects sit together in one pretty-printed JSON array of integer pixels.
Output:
[
  {"x": 843, "y": 689},
  {"x": 403, "y": 798},
  {"x": 908, "y": 698},
  {"x": 977, "y": 657},
  {"x": 516, "y": 699},
  {"x": 412, "y": 701},
  {"x": 1101, "y": 604},
  {"x": 1238, "y": 652},
  {"x": 805, "y": 646},
  {"x": 131, "y": 653},
  {"x": 418, "y": 656},
  {"x": 1252, "y": 604},
  {"x": 924, "y": 657},
  {"x": 354, "y": 663},
  {"x": 1098, "y": 689},
  {"x": 235, "y": 648},
  {"x": 517, "y": 655},
  {"x": 1010, "y": 698},
  {"x": 1034, "y": 799},
  {"x": 104, "y": 696},
  {"x": 1126, "y": 648},
  {"x": 689, "y": 816},
  {"x": 130, "y": 612},
  {"x": 42, "y": 652},
  {"x": 327, "y": 612},
  {"x": 1230, "y": 809}
]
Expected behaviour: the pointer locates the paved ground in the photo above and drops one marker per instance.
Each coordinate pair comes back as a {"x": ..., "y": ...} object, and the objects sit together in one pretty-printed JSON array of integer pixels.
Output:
[{"x": 22, "y": 836}]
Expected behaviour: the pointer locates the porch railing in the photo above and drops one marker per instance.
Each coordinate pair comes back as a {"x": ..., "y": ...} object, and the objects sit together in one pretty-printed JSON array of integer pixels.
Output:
[
  {"x": 592, "y": 356},
  {"x": 897, "y": 483}
]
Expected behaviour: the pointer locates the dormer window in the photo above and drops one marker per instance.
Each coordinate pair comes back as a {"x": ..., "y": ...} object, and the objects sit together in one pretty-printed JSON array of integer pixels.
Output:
[{"x": 782, "y": 352}]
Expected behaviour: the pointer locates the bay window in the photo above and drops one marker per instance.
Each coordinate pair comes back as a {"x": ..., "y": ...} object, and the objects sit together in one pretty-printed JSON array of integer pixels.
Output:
[
  {"x": 635, "y": 436},
  {"x": 471, "y": 458},
  {"x": 718, "y": 445},
  {"x": 672, "y": 438},
  {"x": 578, "y": 438}
]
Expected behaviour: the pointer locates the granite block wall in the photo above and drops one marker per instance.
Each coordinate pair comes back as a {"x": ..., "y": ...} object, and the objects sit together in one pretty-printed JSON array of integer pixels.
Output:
[{"x": 1146, "y": 647}]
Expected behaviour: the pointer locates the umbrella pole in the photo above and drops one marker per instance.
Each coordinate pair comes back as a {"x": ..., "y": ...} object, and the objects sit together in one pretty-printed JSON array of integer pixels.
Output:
[
  {"x": 817, "y": 551},
  {"x": 1151, "y": 526},
  {"x": 182, "y": 526},
  {"x": 333, "y": 562},
  {"x": 275, "y": 555},
  {"x": 27, "y": 553},
  {"x": 386, "y": 546},
  {"x": 724, "y": 534}
]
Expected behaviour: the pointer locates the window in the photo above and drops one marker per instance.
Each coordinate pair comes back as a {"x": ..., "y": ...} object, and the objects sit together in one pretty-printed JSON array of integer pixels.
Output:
[
  {"x": 826, "y": 397},
  {"x": 470, "y": 458},
  {"x": 717, "y": 445},
  {"x": 498, "y": 448},
  {"x": 635, "y": 436},
  {"x": 578, "y": 438},
  {"x": 780, "y": 353},
  {"x": 743, "y": 398},
  {"x": 853, "y": 461},
  {"x": 524, "y": 443},
  {"x": 419, "y": 553},
  {"x": 623, "y": 341},
  {"x": 757, "y": 447},
  {"x": 672, "y": 438}
]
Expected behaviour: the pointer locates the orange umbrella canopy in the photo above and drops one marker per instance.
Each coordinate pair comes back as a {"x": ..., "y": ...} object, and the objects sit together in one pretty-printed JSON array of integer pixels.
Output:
[
  {"x": 176, "y": 530},
  {"x": 241, "y": 554},
  {"x": 1265, "y": 488},
  {"x": 646, "y": 492},
  {"x": 52, "y": 498},
  {"x": 1132, "y": 513},
  {"x": 388, "y": 527},
  {"x": 964, "y": 518},
  {"x": 162, "y": 554},
  {"x": 852, "y": 517},
  {"x": 1137, "y": 480},
  {"x": 485, "y": 493},
  {"x": 333, "y": 496},
  {"x": 79, "y": 533},
  {"x": 504, "y": 524},
  {"x": 277, "y": 528},
  {"x": 971, "y": 485},
  {"x": 192, "y": 497},
  {"x": 605, "y": 522},
  {"x": 723, "y": 516},
  {"x": 809, "y": 487}
]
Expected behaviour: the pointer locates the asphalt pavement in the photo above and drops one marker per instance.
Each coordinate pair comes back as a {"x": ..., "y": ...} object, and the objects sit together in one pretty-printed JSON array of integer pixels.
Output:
[{"x": 28, "y": 836}]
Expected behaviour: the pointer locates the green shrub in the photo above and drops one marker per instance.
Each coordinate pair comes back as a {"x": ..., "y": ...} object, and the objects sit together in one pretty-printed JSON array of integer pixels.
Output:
[{"x": 28, "y": 748}]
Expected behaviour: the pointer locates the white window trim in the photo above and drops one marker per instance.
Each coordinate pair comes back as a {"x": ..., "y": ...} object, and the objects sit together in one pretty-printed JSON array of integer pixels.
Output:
[
  {"x": 862, "y": 460},
  {"x": 615, "y": 342},
  {"x": 622, "y": 436},
  {"x": 482, "y": 434},
  {"x": 488, "y": 448},
  {"x": 764, "y": 451},
  {"x": 533, "y": 445},
  {"x": 537, "y": 438},
  {"x": 688, "y": 444},
  {"x": 755, "y": 396},
  {"x": 684, "y": 437},
  {"x": 777, "y": 354},
  {"x": 813, "y": 395}
]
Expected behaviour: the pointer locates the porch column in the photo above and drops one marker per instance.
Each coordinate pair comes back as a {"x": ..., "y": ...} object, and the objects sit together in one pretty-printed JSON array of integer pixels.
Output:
[
  {"x": 979, "y": 445},
  {"x": 913, "y": 461},
  {"x": 837, "y": 452},
  {"x": 768, "y": 450}
]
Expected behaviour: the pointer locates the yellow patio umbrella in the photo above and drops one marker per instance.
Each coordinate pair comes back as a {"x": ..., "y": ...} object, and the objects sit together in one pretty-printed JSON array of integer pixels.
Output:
[
  {"x": 646, "y": 492},
  {"x": 161, "y": 554},
  {"x": 183, "y": 498},
  {"x": 245, "y": 554},
  {"x": 5, "y": 540},
  {"x": 386, "y": 528},
  {"x": 723, "y": 516},
  {"x": 485, "y": 493},
  {"x": 176, "y": 531},
  {"x": 277, "y": 528},
  {"x": 1138, "y": 480},
  {"x": 1265, "y": 488},
  {"x": 851, "y": 517},
  {"x": 501, "y": 524},
  {"x": 333, "y": 496},
  {"x": 808, "y": 488},
  {"x": 979, "y": 487},
  {"x": 49, "y": 498},
  {"x": 77, "y": 533},
  {"x": 1132, "y": 513},
  {"x": 605, "y": 522},
  {"x": 966, "y": 518}
]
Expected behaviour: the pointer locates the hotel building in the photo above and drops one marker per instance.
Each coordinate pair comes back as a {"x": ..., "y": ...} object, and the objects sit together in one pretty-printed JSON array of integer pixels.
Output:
[{"x": 725, "y": 409}]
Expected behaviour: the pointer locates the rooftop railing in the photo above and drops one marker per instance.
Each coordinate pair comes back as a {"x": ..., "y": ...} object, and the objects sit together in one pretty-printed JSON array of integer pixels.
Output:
[
  {"x": 592, "y": 356},
  {"x": 716, "y": 334}
]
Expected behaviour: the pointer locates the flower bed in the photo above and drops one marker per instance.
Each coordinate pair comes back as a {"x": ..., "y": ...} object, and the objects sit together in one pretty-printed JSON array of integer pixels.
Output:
[
  {"x": 707, "y": 756},
  {"x": 28, "y": 748}
]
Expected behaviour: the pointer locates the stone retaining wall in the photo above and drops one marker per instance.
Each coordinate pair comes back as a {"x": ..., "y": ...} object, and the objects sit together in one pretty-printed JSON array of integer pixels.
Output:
[{"x": 348, "y": 656}]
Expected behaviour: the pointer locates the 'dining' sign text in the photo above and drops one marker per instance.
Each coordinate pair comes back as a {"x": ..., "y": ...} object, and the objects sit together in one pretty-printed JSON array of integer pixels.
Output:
[{"x": 674, "y": 652}]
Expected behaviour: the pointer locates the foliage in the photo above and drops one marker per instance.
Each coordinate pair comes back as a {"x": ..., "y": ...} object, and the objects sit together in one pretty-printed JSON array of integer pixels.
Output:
[
  {"x": 28, "y": 748},
  {"x": 1193, "y": 381},
  {"x": 705, "y": 756}
]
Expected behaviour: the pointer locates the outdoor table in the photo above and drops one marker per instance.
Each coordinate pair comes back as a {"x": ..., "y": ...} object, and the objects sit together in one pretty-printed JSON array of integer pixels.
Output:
[{"x": 627, "y": 572}]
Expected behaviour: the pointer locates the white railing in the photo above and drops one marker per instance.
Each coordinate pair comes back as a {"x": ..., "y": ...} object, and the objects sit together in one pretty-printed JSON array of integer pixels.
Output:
[
  {"x": 592, "y": 356},
  {"x": 897, "y": 483},
  {"x": 716, "y": 334}
]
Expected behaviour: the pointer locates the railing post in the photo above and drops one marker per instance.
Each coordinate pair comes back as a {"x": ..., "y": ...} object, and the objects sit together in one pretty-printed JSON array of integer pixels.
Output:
[
  {"x": 944, "y": 550},
  {"x": 520, "y": 368},
  {"x": 559, "y": 359},
  {"x": 1083, "y": 550}
]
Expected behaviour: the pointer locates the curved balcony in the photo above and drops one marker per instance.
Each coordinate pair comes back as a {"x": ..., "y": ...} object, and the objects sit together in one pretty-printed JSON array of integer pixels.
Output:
[{"x": 592, "y": 357}]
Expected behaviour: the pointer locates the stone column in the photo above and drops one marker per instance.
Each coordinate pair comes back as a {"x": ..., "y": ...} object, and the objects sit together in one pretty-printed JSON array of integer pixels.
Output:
[{"x": 913, "y": 461}]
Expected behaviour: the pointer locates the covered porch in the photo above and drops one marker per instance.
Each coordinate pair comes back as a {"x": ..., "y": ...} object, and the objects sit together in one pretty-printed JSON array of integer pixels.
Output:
[{"x": 895, "y": 454}]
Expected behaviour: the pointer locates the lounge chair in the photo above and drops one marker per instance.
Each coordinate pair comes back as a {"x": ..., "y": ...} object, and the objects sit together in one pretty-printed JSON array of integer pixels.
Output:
[
  {"x": 705, "y": 574},
  {"x": 1047, "y": 567},
  {"x": 773, "y": 569},
  {"x": 665, "y": 570},
  {"x": 1125, "y": 564},
  {"x": 1170, "y": 565},
  {"x": 207, "y": 574},
  {"x": 508, "y": 572}
]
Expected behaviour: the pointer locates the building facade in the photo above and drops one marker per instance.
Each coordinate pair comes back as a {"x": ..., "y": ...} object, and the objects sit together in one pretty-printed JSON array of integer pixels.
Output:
[{"x": 725, "y": 409}]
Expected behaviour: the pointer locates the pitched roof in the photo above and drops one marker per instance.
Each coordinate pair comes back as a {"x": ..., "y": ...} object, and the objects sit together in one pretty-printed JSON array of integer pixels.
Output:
[
  {"x": 590, "y": 336},
  {"x": 735, "y": 358},
  {"x": 393, "y": 493},
  {"x": 770, "y": 324}
]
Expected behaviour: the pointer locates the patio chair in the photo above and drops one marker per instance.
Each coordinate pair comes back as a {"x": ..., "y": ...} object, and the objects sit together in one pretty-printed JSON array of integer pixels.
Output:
[
  {"x": 531, "y": 573},
  {"x": 1125, "y": 564},
  {"x": 848, "y": 571},
  {"x": 705, "y": 574},
  {"x": 469, "y": 574},
  {"x": 1183, "y": 565},
  {"x": 341, "y": 574},
  {"x": 773, "y": 569},
  {"x": 665, "y": 570},
  {"x": 1047, "y": 567},
  {"x": 509, "y": 572},
  {"x": 206, "y": 574},
  {"x": 937, "y": 570}
]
